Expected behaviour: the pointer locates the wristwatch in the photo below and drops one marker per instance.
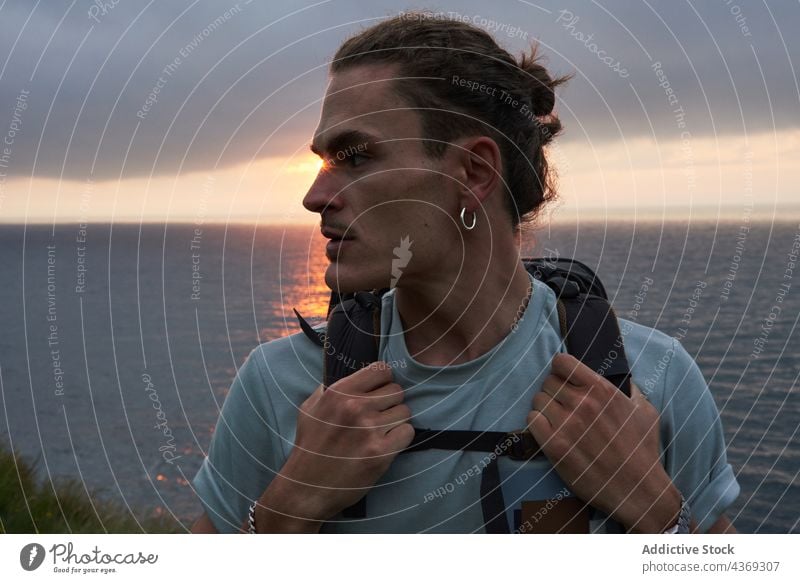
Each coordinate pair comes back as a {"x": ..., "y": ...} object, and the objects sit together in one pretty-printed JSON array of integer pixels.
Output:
[{"x": 684, "y": 519}]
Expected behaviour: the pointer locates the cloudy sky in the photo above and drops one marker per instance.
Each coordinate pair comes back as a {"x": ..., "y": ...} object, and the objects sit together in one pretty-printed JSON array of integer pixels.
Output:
[{"x": 131, "y": 110}]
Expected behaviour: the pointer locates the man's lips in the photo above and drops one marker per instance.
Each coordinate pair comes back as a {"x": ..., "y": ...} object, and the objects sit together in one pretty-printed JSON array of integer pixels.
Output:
[
  {"x": 337, "y": 242},
  {"x": 334, "y": 248},
  {"x": 335, "y": 235}
]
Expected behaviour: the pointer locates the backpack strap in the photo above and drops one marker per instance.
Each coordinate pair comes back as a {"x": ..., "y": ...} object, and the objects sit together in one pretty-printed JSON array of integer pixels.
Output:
[
  {"x": 350, "y": 343},
  {"x": 591, "y": 333},
  {"x": 517, "y": 445},
  {"x": 588, "y": 323},
  {"x": 352, "y": 337}
]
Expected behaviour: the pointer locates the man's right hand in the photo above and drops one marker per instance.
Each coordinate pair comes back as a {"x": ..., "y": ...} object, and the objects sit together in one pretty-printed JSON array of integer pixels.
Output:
[{"x": 347, "y": 436}]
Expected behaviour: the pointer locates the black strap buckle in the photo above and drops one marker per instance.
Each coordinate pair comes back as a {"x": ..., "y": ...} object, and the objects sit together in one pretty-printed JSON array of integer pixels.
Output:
[{"x": 523, "y": 446}]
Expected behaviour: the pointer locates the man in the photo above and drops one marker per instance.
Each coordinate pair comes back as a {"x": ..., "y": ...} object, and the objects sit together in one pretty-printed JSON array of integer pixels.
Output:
[{"x": 432, "y": 141}]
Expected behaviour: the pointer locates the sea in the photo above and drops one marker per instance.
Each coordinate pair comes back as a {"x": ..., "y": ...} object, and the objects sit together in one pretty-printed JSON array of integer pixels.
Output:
[{"x": 120, "y": 341}]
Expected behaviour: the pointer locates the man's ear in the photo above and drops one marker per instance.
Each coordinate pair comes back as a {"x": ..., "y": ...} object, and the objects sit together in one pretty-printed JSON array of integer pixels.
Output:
[{"x": 482, "y": 170}]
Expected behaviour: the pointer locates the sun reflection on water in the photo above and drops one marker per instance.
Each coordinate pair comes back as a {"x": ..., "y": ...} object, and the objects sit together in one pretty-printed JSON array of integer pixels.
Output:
[{"x": 302, "y": 285}]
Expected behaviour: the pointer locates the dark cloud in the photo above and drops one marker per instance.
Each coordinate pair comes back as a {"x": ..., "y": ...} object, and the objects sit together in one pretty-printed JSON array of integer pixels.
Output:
[{"x": 242, "y": 80}]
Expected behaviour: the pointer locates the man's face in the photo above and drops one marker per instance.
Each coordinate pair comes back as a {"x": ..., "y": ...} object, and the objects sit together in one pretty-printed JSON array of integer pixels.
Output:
[{"x": 378, "y": 189}]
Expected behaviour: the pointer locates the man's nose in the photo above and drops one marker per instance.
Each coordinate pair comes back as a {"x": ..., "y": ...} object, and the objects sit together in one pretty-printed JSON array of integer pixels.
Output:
[{"x": 322, "y": 195}]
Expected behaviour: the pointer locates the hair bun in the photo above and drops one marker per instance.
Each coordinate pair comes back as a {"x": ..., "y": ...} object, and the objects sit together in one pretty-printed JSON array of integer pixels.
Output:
[{"x": 542, "y": 85}]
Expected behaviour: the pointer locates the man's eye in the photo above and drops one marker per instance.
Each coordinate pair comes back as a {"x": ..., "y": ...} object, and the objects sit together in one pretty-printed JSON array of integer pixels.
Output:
[
  {"x": 342, "y": 159},
  {"x": 356, "y": 159}
]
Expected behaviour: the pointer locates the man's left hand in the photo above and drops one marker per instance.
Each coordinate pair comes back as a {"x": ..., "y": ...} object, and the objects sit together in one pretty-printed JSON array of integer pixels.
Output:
[{"x": 604, "y": 445}]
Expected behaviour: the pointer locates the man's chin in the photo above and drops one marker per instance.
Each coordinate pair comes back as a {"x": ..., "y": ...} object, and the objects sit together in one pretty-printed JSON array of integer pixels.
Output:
[{"x": 339, "y": 279}]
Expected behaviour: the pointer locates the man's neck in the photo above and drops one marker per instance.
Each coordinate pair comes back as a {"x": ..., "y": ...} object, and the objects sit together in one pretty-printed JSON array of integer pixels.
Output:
[{"x": 456, "y": 319}]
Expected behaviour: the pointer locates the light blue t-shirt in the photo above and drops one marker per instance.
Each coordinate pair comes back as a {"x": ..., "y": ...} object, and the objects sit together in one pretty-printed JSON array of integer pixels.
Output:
[{"x": 439, "y": 490}]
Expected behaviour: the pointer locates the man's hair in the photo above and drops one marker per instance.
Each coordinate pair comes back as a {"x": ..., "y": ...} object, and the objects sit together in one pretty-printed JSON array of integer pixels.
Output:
[{"x": 447, "y": 61}]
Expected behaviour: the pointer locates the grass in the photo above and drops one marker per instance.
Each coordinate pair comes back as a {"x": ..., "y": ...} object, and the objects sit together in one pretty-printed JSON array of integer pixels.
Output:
[{"x": 28, "y": 505}]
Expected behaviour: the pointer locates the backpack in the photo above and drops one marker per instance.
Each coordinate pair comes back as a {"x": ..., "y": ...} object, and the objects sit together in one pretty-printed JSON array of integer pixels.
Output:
[{"x": 588, "y": 326}]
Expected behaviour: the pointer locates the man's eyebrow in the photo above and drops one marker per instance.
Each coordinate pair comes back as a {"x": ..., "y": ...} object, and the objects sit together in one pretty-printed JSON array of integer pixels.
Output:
[{"x": 342, "y": 141}]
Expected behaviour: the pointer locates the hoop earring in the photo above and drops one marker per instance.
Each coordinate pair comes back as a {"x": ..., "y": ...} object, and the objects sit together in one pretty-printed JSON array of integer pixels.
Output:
[{"x": 464, "y": 222}]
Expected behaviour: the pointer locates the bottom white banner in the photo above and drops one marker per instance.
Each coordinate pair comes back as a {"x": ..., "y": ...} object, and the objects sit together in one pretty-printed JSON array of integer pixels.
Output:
[{"x": 389, "y": 558}]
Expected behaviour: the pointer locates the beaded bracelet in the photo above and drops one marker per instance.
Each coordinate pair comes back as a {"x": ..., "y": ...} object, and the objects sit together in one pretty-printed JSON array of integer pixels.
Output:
[
  {"x": 251, "y": 519},
  {"x": 683, "y": 525}
]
